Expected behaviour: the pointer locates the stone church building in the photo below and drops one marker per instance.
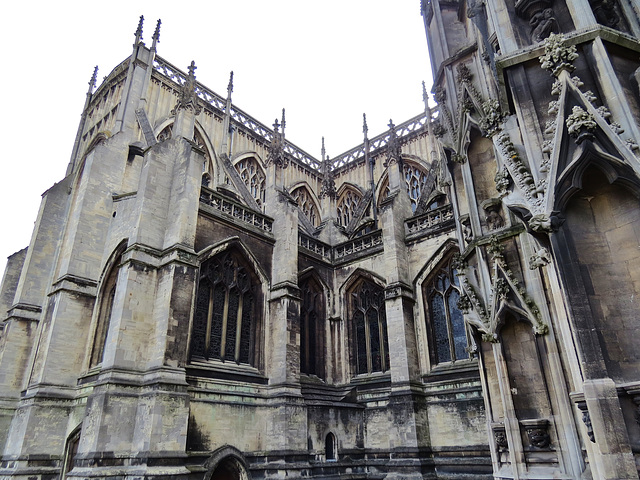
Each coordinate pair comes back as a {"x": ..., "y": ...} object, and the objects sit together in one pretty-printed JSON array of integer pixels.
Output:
[{"x": 455, "y": 298}]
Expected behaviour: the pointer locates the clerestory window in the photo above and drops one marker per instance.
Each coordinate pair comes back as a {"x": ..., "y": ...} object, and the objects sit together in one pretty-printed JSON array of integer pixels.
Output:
[{"x": 226, "y": 309}]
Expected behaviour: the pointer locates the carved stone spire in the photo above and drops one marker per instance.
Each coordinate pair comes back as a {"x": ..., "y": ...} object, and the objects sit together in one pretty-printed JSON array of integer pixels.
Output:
[
  {"x": 394, "y": 149},
  {"x": 92, "y": 82},
  {"x": 156, "y": 35},
  {"x": 230, "y": 86},
  {"x": 328, "y": 188},
  {"x": 138, "y": 33},
  {"x": 224, "y": 149},
  {"x": 276, "y": 149},
  {"x": 188, "y": 98}
]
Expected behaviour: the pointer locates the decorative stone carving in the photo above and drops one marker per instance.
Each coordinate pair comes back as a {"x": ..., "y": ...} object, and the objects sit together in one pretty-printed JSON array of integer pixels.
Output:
[
  {"x": 464, "y": 303},
  {"x": 276, "y": 153},
  {"x": 527, "y": 9},
  {"x": 440, "y": 95},
  {"x": 492, "y": 119},
  {"x": 464, "y": 74},
  {"x": 501, "y": 289},
  {"x": 543, "y": 24},
  {"x": 394, "y": 147},
  {"x": 503, "y": 180},
  {"x": 605, "y": 12},
  {"x": 493, "y": 219},
  {"x": 580, "y": 124},
  {"x": 538, "y": 436},
  {"x": 540, "y": 223},
  {"x": 188, "y": 98},
  {"x": 458, "y": 158},
  {"x": 438, "y": 129},
  {"x": 539, "y": 259},
  {"x": 467, "y": 232},
  {"x": 558, "y": 56},
  {"x": 500, "y": 437}
]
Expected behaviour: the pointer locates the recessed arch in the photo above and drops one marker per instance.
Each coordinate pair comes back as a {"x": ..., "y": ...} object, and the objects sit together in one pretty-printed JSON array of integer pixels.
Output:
[
  {"x": 227, "y": 463},
  {"x": 101, "y": 317},
  {"x": 227, "y": 324}
]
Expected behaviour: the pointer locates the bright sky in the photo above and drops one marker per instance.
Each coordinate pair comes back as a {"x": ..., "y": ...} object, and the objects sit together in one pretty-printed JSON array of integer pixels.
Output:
[{"x": 326, "y": 62}]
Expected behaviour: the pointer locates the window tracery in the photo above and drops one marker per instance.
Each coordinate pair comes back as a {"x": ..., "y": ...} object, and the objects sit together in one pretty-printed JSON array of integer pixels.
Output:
[
  {"x": 307, "y": 205},
  {"x": 347, "y": 206},
  {"x": 226, "y": 310},
  {"x": 253, "y": 177},
  {"x": 447, "y": 322},
  {"x": 415, "y": 179},
  {"x": 370, "y": 326}
]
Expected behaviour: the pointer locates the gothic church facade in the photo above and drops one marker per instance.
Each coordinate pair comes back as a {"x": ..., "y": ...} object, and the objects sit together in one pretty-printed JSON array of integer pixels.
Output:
[{"x": 454, "y": 298}]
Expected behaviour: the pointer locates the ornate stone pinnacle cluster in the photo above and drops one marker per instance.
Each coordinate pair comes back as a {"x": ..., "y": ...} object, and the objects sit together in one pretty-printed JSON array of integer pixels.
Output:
[{"x": 188, "y": 98}]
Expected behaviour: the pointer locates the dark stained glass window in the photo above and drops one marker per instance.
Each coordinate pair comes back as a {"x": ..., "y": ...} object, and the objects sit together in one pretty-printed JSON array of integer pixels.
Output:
[
  {"x": 225, "y": 307},
  {"x": 447, "y": 323},
  {"x": 370, "y": 328},
  {"x": 312, "y": 328}
]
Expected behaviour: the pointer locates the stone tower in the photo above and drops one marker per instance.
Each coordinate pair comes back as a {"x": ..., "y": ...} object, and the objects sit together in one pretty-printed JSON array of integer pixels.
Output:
[{"x": 452, "y": 298}]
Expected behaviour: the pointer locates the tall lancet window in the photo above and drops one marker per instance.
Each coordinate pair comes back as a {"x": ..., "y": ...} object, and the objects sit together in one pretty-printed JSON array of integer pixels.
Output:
[
  {"x": 370, "y": 327},
  {"x": 312, "y": 328},
  {"x": 107, "y": 296},
  {"x": 224, "y": 321},
  {"x": 447, "y": 323}
]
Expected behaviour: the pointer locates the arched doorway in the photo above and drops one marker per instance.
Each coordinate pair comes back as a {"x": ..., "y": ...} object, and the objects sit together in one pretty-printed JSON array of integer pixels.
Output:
[{"x": 227, "y": 463}]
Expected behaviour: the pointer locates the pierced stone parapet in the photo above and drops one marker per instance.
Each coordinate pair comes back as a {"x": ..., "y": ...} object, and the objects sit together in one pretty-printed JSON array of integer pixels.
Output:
[
  {"x": 358, "y": 245},
  {"x": 235, "y": 210},
  {"x": 430, "y": 220}
]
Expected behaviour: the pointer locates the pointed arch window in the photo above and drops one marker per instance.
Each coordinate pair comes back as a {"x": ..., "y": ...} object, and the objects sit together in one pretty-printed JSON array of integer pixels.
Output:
[
  {"x": 347, "y": 206},
  {"x": 108, "y": 293},
  {"x": 449, "y": 336},
  {"x": 307, "y": 205},
  {"x": 312, "y": 328},
  {"x": 415, "y": 179},
  {"x": 253, "y": 177},
  {"x": 370, "y": 327},
  {"x": 226, "y": 309}
]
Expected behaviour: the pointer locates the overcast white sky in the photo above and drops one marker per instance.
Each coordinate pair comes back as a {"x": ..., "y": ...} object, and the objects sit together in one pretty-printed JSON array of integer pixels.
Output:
[{"x": 325, "y": 62}]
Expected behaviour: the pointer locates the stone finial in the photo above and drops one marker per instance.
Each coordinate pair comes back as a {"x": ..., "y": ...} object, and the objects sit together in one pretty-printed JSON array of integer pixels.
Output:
[
  {"x": 284, "y": 123},
  {"x": 92, "y": 81},
  {"x": 580, "y": 124},
  {"x": 365, "y": 128},
  {"x": 394, "y": 149},
  {"x": 156, "y": 34},
  {"x": 138, "y": 33},
  {"x": 425, "y": 97},
  {"x": 322, "y": 150},
  {"x": 328, "y": 188},
  {"x": 276, "y": 153},
  {"x": 558, "y": 56},
  {"x": 230, "y": 86},
  {"x": 188, "y": 98}
]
